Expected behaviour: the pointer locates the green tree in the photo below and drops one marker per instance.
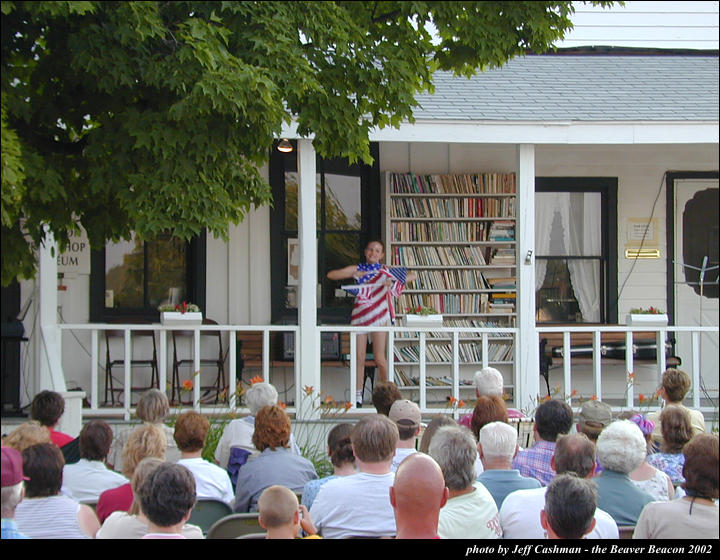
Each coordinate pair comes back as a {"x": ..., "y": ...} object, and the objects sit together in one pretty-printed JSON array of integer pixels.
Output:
[{"x": 155, "y": 116}]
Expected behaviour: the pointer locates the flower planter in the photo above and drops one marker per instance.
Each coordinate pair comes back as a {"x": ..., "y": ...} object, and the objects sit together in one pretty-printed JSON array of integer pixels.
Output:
[
  {"x": 646, "y": 320},
  {"x": 412, "y": 320},
  {"x": 175, "y": 318}
]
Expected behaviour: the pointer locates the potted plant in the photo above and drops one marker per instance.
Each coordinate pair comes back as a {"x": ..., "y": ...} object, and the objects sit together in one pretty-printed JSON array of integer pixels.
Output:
[
  {"x": 650, "y": 317},
  {"x": 422, "y": 316},
  {"x": 180, "y": 314}
]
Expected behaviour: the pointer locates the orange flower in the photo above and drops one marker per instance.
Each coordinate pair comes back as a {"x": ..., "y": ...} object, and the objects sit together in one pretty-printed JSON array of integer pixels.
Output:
[
  {"x": 348, "y": 405},
  {"x": 641, "y": 397},
  {"x": 574, "y": 392},
  {"x": 308, "y": 390},
  {"x": 282, "y": 405},
  {"x": 452, "y": 400},
  {"x": 256, "y": 379},
  {"x": 461, "y": 403},
  {"x": 593, "y": 398},
  {"x": 631, "y": 376},
  {"x": 329, "y": 399},
  {"x": 546, "y": 398},
  {"x": 188, "y": 385}
]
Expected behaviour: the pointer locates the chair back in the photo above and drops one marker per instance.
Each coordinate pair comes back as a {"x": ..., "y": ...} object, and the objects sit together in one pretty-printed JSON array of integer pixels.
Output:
[
  {"x": 253, "y": 536},
  {"x": 207, "y": 512},
  {"x": 626, "y": 531},
  {"x": 235, "y": 525}
]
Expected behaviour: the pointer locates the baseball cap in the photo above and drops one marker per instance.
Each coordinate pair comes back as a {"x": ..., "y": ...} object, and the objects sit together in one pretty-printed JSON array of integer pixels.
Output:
[
  {"x": 404, "y": 409},
  {"x": 595, "y": 412},
  {"x": 12, "y": 467}
]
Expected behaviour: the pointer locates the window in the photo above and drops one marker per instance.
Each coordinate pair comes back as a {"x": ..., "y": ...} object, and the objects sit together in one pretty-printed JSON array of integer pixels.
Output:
[
  {"x": 575, "y": 247},
  {"x": 348, "y": 216},
  {"x": 131, "y": 278}
]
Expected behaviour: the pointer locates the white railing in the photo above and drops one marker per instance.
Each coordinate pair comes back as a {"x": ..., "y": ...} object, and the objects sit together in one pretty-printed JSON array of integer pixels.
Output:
[
  {"x": 162, "y": 333},
  {"x": 454, "y": 335},
  {"x": 661, "y": 338}
]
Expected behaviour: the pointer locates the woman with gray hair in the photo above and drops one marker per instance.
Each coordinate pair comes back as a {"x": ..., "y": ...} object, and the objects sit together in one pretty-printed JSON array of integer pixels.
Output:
[
  {"x": 236, "y": 445},
  {"x": 152, "y": 408},
  {"x": 620, "y": 450},
  {"x": 470, "y": 512}
]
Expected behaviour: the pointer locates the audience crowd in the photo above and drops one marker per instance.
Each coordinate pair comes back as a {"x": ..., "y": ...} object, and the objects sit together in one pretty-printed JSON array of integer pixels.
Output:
[{"x": 596, "y": 476}]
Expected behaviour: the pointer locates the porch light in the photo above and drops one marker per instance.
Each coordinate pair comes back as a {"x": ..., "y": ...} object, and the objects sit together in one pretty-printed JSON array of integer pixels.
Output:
[{"x": 284, "y": 146}]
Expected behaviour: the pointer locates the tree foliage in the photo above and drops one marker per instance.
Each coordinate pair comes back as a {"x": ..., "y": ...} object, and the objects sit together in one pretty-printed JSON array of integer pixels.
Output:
[{"x": 155, "y": 116}]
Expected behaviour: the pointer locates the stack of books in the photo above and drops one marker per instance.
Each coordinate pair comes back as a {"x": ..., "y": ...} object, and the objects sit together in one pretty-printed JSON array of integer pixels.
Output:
[{"x": 502, "y": 230}]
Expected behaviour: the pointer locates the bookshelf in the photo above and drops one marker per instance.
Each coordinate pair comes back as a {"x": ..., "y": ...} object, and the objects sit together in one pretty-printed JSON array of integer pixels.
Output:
[{"x": 457, "y": 232}]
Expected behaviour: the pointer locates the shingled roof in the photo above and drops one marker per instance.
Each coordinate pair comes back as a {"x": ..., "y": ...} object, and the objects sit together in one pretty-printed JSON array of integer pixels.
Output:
[{"x": 580, "y": 88}]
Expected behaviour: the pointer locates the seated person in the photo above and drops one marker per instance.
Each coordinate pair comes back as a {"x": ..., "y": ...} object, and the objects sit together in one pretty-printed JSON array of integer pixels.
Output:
[
  {"x": 438, "y": 421},
  {"x": 488, "y": 383},
  {"x": 341, "y": 457},
  {"x": 498, "y": 446},
  {"x": 45, "y": 513},
  {"x": 133, "y": 524},
  {"x": 406, "y": 414},
  {"x": 358, "y": 505},
  {"x": 592, "y": 418},
  {"x": 281, "y": 515},
  {"x": 236, "y": 445},
  {"x": 417, "y": 497},
  {"x": 646, "y": 477},
  {"x": 470, "y": 511},
  {"x": 147, "y": 440},
  {"x": 674, "y": 386},
  {"x": 570, "y": 504},
  {"x": 694, "y": 516},
  {"x": 152, "y": 408},
  {"x": 85, "y": 480},
  {"x": 13, "y": 490},
  {"x": 47, "y": 408},
  {"x": 276, "y": 464},
  {"x": 620, "y": 450},
  {"x": 167, "y": 498},
  {"x": 211, "y": 481},
  {"x": 384, "y": 395},
  {"x": 25, "y": 435},
  {"x": 676, "y": 432},
  {"x": 552, "y": 419}
]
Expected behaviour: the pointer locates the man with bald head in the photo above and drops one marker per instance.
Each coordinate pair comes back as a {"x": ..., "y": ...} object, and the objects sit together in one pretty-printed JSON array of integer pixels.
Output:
[
  {"x": 520, "y": 512},
  {"x": 416, "y": 496}
]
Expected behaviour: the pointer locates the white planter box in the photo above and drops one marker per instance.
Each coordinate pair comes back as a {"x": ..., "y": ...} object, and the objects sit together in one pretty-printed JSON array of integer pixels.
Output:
[
  {"x": 175, "y": 318},
  {"x": 646, "y": 320},
  {"x": 423, "y": 320}
]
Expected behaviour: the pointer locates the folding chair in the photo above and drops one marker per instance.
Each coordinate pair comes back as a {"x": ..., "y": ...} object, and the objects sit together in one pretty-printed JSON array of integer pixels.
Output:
[
  {"x": 110, "y": 363},
  {"x": 207, "y": 512},
  {"x": 235, "y": 525}
]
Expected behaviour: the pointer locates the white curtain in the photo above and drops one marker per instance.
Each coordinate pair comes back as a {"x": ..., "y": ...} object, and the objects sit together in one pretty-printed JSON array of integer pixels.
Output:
[{"x": 580, "y": 235}]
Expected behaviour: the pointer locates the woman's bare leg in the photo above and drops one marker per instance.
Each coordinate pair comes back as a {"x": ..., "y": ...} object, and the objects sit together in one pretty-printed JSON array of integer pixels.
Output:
[{"x": 379, "y": 343}]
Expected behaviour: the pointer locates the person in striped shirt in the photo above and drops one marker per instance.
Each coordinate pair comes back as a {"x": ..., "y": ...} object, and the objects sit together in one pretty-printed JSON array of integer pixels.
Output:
[{"x": 376, "y": 285}]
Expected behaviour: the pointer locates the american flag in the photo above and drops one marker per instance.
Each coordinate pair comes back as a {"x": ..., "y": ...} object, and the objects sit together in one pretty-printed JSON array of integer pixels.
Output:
[{"x": 374, "y": 300}]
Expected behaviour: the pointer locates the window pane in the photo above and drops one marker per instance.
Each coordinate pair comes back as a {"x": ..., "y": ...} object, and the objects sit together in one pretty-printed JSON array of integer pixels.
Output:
[
  {"x": 569, "y": 291},
  {"x": 124, "y": 265},
  {"x": 291, "y": 199},
  {"x": 167, "y": 267},
  {"x": 342, "y": 202},
  {"x": 568, "y": 223},
  {"x": 341, "y": 249}
]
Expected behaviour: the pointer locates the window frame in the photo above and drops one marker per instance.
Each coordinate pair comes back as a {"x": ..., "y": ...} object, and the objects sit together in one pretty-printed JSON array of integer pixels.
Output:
[
  {"x": 281, "y": 163},
  {"x": 195, "y": 251},
  {"x": 607, "y": 187}
]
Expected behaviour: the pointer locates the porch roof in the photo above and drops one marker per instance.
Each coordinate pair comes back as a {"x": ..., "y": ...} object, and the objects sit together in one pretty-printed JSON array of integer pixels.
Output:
[{"x": 608, "y": 88}]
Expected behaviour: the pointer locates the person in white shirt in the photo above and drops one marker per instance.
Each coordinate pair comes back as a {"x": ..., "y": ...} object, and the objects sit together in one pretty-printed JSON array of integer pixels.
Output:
[
  {"x": 359, "y": 504},
  {"x": 211, "y": 481},
  {"x": 470, "y": 512},
  {"x": 85, "y": 480},
  {"x": 520, "y": 512},
  {"x": 406, "y": 414}
]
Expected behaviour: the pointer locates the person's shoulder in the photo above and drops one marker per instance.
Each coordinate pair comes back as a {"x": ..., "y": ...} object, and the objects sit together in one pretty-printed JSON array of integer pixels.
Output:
[{"x": 518, "y": 497}]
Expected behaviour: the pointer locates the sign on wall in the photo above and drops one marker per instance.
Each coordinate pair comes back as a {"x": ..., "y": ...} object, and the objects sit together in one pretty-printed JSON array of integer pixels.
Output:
[{"x": 76, "y": 257}]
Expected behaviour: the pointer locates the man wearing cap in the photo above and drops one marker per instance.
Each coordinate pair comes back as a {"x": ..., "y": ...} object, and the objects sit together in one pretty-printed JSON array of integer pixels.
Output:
[
  {"x": 13, "y": 491},
  {"x": 592, "y": 418},
  {"x": 406, "y": 414}
]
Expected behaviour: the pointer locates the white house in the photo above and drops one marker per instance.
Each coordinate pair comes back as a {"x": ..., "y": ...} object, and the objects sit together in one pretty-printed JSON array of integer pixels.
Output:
[{"x": 614, "y": 153}]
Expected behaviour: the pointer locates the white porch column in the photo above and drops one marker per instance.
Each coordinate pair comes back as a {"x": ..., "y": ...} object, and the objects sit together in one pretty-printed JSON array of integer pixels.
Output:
[
  {"x": 307, "y": 345},
  {"x": 527, "y": 362},
  {"x": 49, "y": 350}
]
